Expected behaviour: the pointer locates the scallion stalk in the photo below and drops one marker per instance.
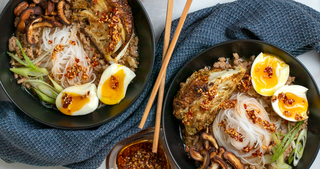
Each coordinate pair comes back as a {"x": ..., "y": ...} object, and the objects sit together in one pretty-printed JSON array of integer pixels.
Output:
[
  {"x": 286, "y": 141},
  {"x": 30, "y": 71},
  {"x": 26, "y": 58},
  {"x": 44, "y": 97},
  {"x": 56, "y": 85},
  {"x": 43, "y": 87},
  {"x": 17, "y": 59}
]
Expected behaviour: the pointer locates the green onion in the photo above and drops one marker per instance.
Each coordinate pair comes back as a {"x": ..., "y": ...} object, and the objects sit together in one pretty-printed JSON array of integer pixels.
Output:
[
  {"x": 291, "y": 156},
  {"x": 44, "y": 97},
  {"x": 33, "y": 70},
  {"x": 280, "y": 134},
  {"x": 45, "y": 91},
  {"x": 30, "y": 71},
  {"x": 43, "y": 87},
  {"x": 17, "y": 59},
  {"x": 300, "y": 146},
  {"x": 56, "y": 85},
  {"x": 280, "y": 164},
  {"x": 26, "y": 58},
  {"x": 286, "y": 141}
]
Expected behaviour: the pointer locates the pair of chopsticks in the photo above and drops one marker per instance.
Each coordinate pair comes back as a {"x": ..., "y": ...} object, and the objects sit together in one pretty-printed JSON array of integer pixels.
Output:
[{"x": 167, "y": 52}]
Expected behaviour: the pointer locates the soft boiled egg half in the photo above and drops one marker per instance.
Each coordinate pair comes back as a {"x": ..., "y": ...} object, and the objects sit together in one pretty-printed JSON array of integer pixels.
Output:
[
  {"x": 268, "y": 74},
  {"x": 78, "y": 100},
  {"x": 113, "y": 83},
  {"x": 290, "y": 102}
]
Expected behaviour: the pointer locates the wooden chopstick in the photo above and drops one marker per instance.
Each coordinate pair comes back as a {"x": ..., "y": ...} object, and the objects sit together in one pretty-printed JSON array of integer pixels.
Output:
[
  {"x": 162, "y": 85},
  {"x": 165, "y": 62}
]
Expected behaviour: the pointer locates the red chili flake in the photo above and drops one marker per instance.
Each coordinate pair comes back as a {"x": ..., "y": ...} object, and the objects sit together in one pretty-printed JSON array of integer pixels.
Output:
[
  {"x": 77, "y": 60},
  {"x": 91, "y": 49},
  {"x": 245, "y": 106},
  {"x": 50, "y": 41},
  {"x": 287, "y": 113},
  {"x": 66, "y": 100},
  {"x": 189, "y": 113},
  {"x": 139, "y": 155},
  {"x": 95, "y": 1},
  {"x": 273, "y": 98},
  {"x": 257, "y": 154},
  {"x": 97, "y": 13},
  {"x": 268, "y": 70},
  {"x": 211, "y": 97},
  {"x": 233, "y": 133},
  {"x": 246, "y": 149}
]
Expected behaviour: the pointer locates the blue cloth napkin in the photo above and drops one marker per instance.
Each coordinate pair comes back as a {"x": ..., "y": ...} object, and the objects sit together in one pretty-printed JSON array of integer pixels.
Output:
[{"x": 284, "y": 23}]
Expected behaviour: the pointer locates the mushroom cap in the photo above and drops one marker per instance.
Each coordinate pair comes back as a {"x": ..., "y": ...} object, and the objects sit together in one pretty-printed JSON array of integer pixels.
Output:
[
  {"x": 62, "y": 16},
  {"x": 20, "y": 8}
]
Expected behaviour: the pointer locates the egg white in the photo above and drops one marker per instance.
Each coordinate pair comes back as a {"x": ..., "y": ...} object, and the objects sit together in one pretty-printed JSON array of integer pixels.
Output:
[
  {"x": 111, "y": 70},
  {"x": 281, "y": 72},
  {"x": 298, "y": 90},
  {"x": 81, "y": 90}
]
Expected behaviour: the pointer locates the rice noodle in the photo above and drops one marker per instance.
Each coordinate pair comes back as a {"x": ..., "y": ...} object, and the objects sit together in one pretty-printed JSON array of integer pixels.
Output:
[
  {"x": 254, "y": 136},
  {"x": 66, "y": 53}
]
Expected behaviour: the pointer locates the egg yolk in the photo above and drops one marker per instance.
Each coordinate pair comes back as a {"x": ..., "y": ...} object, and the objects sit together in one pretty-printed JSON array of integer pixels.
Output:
[
  {"x": 265, "y": 76},
  {"x": 72, "y": 102},
  {"x": 112, "y": 90},
  {"x": 292, "y": 106}
]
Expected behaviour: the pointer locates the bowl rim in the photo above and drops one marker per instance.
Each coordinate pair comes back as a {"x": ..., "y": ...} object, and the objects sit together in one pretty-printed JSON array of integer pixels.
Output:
[
  {"x": 150, "y": 27},
  {"x": 210, "y": 48}
]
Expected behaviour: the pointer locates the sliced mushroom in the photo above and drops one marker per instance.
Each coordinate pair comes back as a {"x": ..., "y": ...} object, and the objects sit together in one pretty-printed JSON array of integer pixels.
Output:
[
  {"x": 210, "y": 138},
  {"x": 62, "y": 16},
  {"x": 206, "y": 159},
  {"x": 50, "y": 8},
  {"x": 206, "y": 144},
  {"x": 34, "y": 25},
  {"x": 219, "y": 160},
  {"x": 30, "y": 30},
  {"x": 54, "y": 20},
  {"x": 26, "y": 15},
  {"x": 212, "y": 149},
  {"x": 213, "y": 154},
  {"x": 229, "y": 166},
  {"x": 55, "y": 1},
  {"x": 42, "y": 3},
  {"x": 195, "y": 155},
  {"x": 233, "y": 160},
  {"x": 44, "y": 23},
  {"x": 20, "y": 8},
  {"x": 222, "y": 150},
  {"x": 214, "y": 165},
  {"x": 32, "y": 5},
  {"x": 54, "y": 13}
]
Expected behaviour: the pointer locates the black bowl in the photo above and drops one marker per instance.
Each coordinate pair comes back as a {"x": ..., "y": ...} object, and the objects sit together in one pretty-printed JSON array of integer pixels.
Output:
[
  {"x": 245, "y": 48},
  {"x": 32, "y": 106}
]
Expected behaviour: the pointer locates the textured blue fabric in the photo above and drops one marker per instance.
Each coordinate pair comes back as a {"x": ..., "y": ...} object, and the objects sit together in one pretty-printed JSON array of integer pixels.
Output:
[{"x": 284, "y": 23}]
